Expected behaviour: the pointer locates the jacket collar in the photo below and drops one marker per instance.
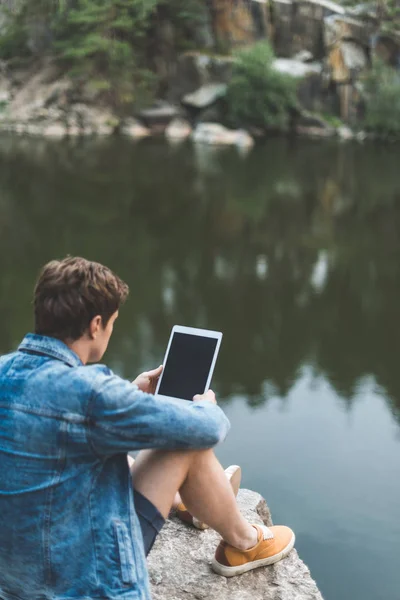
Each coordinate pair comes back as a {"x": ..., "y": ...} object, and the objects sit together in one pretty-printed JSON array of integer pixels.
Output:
[{"x": 48, "y": 346}]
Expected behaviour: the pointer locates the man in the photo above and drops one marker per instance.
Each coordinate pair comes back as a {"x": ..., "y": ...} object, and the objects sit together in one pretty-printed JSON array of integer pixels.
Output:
[{"x": 72, "y": 525}]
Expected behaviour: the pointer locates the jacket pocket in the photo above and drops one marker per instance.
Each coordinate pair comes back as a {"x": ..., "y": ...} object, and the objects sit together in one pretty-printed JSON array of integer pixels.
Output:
[{"x": 128, "y": 570}]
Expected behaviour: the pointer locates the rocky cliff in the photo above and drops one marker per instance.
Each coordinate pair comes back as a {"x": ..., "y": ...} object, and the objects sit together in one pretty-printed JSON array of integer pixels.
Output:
[
  {"x": 180, "y": 565},
  {"x": 326, "y": 46}
]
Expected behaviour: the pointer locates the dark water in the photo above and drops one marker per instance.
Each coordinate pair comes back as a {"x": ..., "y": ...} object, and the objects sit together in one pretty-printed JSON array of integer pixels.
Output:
[{"x": 294, "y": 253}]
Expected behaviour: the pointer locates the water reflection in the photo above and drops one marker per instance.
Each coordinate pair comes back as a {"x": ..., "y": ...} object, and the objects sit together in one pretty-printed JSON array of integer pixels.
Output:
[{"x": 292, "y": 252}]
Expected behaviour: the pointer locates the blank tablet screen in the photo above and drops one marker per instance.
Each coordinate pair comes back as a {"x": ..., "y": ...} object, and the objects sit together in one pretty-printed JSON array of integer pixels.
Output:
[{"x": 188, "y": 366}]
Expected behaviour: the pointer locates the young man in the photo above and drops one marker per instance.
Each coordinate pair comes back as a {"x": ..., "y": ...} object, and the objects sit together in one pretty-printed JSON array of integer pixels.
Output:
[{"x": 72, "y": 525}]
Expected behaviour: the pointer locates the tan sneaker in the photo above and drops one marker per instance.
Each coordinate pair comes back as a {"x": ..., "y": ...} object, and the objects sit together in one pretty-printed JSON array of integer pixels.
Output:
[
  {"x": 234, "y": 475},
  {"x": 274, "y": 543}
]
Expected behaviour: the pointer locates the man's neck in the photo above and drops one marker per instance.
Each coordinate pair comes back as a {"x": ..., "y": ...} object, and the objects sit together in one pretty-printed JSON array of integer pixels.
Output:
[{"x": 81, "y": 348}]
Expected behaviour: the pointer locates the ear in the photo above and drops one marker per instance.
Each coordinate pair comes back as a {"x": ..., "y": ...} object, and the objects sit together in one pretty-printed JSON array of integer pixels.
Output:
[{"x": 95, "y": 326}]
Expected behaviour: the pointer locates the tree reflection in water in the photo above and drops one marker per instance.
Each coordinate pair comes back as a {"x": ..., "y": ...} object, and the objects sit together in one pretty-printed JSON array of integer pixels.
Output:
[{"x": 291, "y": 251}]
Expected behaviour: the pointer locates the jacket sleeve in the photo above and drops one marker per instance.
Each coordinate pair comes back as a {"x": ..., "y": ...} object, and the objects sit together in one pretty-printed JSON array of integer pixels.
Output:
[{"x": 121, "y": 418}]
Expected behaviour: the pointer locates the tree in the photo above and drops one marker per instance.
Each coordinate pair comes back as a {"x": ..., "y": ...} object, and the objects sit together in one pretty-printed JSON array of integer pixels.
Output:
[{"x": 101, "y": 41}]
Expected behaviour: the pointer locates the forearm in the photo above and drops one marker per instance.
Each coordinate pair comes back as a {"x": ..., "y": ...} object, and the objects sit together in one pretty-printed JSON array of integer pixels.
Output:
[{"x": 138, "y": 421}]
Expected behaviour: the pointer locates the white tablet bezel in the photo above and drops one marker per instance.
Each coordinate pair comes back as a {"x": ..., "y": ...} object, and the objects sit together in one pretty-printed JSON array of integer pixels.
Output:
[{"x": 217, "y": 335}]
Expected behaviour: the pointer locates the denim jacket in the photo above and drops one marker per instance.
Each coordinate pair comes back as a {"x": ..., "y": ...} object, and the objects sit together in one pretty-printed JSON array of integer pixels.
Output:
[{"x": 68, "y": 526}]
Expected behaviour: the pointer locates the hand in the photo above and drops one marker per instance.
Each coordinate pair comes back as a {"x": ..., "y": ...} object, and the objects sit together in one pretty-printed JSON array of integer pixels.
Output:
[
  {"x": 210, "y": 396},
  {"x": 147, "y": 381}
]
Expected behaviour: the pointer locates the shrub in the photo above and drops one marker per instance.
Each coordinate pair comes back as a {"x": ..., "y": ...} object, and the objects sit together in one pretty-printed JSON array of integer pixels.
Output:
[
  {"x": 257, "y": 94},
  {"x": 382, "y": 92}
]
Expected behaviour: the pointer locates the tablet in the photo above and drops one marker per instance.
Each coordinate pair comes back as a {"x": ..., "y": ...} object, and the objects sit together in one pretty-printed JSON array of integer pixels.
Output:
[{"x": 189, "y": 362}]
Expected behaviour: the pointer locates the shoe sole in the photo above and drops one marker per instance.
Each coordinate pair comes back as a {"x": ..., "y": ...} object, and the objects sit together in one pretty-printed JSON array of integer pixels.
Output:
[
  {"x": 255, "y": 564},
  {"x": 234, "y": 475}
]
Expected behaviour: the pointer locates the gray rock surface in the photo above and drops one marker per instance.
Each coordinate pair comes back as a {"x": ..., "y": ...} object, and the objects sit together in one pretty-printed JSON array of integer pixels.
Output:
[
  {"x": 195, "y": 70},
  {"x": 297, "y": 68},
  {"x": 205, "y": 95},
  {"x": 216, "y": 134},
  {"x": 159, "y": 116},
  {"x": 180, "y": 569}
]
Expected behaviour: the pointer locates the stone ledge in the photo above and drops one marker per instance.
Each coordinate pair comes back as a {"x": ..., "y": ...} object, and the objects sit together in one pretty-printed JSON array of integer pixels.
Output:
[{"x": 179, "y": 565}]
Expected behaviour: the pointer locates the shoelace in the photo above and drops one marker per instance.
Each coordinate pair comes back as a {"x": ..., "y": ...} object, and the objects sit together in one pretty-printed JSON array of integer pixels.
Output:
[{"x": 267, "y": 533}]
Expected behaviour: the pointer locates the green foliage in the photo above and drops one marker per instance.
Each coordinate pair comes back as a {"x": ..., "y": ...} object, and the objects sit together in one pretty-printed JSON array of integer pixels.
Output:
[
  {"x": 258, "y": 95},
  {"x": 106, "y": 44},
  {"x": 13, "y": 39},
  {"x": 382, "y": 88},
  {"x": 100, "y": 40}
]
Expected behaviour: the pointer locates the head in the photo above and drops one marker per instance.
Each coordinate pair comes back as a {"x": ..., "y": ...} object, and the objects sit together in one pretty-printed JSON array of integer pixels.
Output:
[{"x": 77, "y": 301}]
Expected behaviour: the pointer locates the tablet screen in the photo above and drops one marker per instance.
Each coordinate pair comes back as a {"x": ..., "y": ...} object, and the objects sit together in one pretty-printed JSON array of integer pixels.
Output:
[{"x": 188, "y": 366}]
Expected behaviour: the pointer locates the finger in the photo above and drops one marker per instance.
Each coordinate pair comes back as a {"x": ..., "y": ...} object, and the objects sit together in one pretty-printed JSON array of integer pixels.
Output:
[{"x": 155, "y": 373}]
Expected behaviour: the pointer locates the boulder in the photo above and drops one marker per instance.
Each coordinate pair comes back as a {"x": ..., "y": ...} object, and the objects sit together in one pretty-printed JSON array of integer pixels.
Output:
[
  {"x": 179, "y": 565},
  {"x": 158, "y": 117},
  {"x": 178, "y": 129},
  {"x": 345, "y": 133},
  {"x": 134, "y": 129},
  {"x": 205, "y": 95},
  {"x": 216, "y": 134},
  {"x": 304, "y": 56},
  {"x": 297, "y": 68}
]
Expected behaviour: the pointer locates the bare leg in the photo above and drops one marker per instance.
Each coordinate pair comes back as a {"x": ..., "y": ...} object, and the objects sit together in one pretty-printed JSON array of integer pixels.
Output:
[
  {"x": 177, "y": 499},
  {"x": 203, "y": 486}
]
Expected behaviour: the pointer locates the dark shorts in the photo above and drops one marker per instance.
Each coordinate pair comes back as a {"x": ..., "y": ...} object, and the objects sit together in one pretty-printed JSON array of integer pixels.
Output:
[{"x": 151, "y": 520}]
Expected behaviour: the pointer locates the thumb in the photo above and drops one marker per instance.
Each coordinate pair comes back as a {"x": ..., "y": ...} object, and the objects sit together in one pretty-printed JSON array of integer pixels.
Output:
[{"x": 155, "y": 372}]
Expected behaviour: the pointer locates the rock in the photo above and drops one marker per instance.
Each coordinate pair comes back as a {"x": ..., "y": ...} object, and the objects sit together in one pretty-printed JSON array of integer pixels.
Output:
[
  {"x": 244, "y": 139},
  {"x": 213, "y": 114},
  {"x": 346, "y": 60},
  {"x": 5, "y": 90},
  {"x": 345, "y": 133},
  {"x": 179, "y": 565},
  {"x": 205, "y": 95},
  {"x": 297, "y": 68},
  {"x": 41, "y": 88},
  {"x": 313, "y": 126},
  {"x": 89, "y": 120},
  {"x": 361, "y": 136},
  {"x": 311, "y": 91},
  {"x": 158, "y": 117},
  {"x": 216, "y": 134},
  {"x": 242, "y": 22},
  {"x": 304, "y": 56},
  {"x": 178, "y": 129},
  {"x": 386, "y": 47},
  {"x": 134, "y": 129},
  {"x": 315, "y": 132},
  {"x": 55, "y": 130},
  {"x": 299, "y": 24},
  {"x": 345, "y": 27},
  {"x": 195, "y": 70}
]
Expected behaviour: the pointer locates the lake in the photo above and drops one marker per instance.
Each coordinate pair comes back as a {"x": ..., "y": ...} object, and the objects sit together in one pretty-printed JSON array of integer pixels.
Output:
[{"x": 293, "y": 251}]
